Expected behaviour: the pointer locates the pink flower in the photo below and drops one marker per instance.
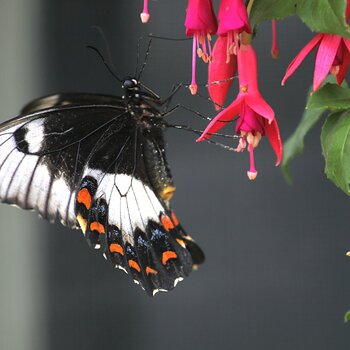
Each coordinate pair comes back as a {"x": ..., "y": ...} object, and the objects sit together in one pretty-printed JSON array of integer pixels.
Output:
[
  {"x": 200, "y": 23},
  {"x": 233, "y": 19},
  {"x": 145, "y": 14},
  {"x": 333, "y": 56},
  {"x": 220, "y": 72},
  {"x": 256, "y": 117}
]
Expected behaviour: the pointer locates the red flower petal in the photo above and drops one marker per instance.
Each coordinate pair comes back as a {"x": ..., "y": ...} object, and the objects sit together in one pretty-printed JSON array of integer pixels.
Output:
[
  {"x": 260, "y": 106},
  {"x": 325, "y": 57},
  {"x": 222, "y": 119},
  {"x": 301, "y": 56},
  {"x": 200, "y": 16},
  {"x": 221, "y": 72},
  {"x": 343, "y": 68},
  {"x": 273, "y": 134}
]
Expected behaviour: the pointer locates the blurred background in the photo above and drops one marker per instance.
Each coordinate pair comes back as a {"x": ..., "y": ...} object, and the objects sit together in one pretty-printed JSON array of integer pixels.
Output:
[{"x": 276, "y": 274}]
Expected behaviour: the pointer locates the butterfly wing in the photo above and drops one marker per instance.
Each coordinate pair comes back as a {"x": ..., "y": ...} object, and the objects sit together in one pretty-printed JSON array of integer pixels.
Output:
[
  {"x": 86, "y": 164},
  {"x": 70, "y": 99}
]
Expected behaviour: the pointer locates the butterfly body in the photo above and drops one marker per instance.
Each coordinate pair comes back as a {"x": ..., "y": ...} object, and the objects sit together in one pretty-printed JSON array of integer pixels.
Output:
[{"x": 98, "y": 163}]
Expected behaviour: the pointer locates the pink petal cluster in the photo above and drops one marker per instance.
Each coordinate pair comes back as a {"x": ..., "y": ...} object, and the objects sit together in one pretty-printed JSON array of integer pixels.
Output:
[
  {"x": 201, "y": 23},
  {"x": 333, "y": 56},
  {"x": 255, "y": 117}
]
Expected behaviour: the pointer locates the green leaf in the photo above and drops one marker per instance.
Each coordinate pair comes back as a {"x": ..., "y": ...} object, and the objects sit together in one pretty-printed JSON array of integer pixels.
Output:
[
  {"x": 347, "y": 317},
  {"x": 264, "y": 10},
  {"x": 295, "y": 143},
  {"x": 326, "y": 16},
  {"x": 330, "y": 96},
  {"x": 335, "y": 141}
]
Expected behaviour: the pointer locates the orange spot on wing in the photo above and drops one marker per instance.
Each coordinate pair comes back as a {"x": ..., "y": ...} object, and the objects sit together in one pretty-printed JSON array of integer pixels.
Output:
[
  {"x": 166, "y": 222},
  {"x": 175, "y": 219},
  {"x": 134, "y": 265},
  {"x": 84, "y": 197},
  {"x": 181, "y": 242},
  {"x": 168, "y": 255},
  {"x": 116, "y": 248},
  {"x": 96, "y": 226},
  {"x": 150, "y": 270}
]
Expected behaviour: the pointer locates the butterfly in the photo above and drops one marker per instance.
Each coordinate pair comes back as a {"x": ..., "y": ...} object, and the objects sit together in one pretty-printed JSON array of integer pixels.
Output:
[{"x": 98, "y": 163}]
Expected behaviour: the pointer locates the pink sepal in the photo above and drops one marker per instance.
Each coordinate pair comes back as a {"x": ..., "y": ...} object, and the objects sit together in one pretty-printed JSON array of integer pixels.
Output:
[
  {"x": 324, "y": 58},
  {"x": 301, "y": 56},
  {"x": 222, "y": 119},
  {"x": 273, "y": 134},
  {"x": 260, "y": 106}
]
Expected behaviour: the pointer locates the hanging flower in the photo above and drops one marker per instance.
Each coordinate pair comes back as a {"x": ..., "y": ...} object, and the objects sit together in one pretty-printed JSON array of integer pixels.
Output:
[
  {"x": 333, "y": 56},
  {"x": 221, "y": 71},
  {"x": 256, "y": 117},
  {"x": 200, "y": 23},
  {"x": 144, "y": 15}
]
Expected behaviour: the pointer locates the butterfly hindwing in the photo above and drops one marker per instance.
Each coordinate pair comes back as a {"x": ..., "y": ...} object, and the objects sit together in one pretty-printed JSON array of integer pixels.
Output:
[{"x": 137, "y": 240}]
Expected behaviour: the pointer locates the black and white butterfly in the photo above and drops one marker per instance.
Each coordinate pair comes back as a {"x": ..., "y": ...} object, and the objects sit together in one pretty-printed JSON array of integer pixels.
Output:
[{"x": 98, "y": 163}]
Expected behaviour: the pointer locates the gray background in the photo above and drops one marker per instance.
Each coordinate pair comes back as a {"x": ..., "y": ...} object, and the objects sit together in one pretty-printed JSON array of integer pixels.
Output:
[{"x": 276, "y": 274}]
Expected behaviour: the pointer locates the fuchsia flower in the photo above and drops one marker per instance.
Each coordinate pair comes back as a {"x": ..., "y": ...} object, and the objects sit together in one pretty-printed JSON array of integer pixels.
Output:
[
  {"x": 233, "y": 20},
  {"x": 200, "y": 23},
  {"x": 145, "y": 14},
  {"x": 333, "y": 56},
  {"x": 220, "y": 72},
  {"x": 256, "y": 117}
]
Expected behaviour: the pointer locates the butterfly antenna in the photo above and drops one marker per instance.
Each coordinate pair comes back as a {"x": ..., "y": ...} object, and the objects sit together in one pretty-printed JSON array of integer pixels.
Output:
[
  {"x": 107, "y": 65},
  {"x": 145, "y": 59},
  {"x": 138, "y": 55},
  {"x": 166, "y": 38},
  {"x": 106, "y": 44}
]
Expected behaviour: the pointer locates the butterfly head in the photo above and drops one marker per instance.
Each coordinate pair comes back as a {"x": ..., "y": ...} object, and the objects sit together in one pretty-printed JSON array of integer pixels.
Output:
[{"x": 131, "y": 87}]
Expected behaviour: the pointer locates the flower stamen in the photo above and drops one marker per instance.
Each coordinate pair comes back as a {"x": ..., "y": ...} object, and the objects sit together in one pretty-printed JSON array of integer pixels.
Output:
[{"x": 275, "y": 52}]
